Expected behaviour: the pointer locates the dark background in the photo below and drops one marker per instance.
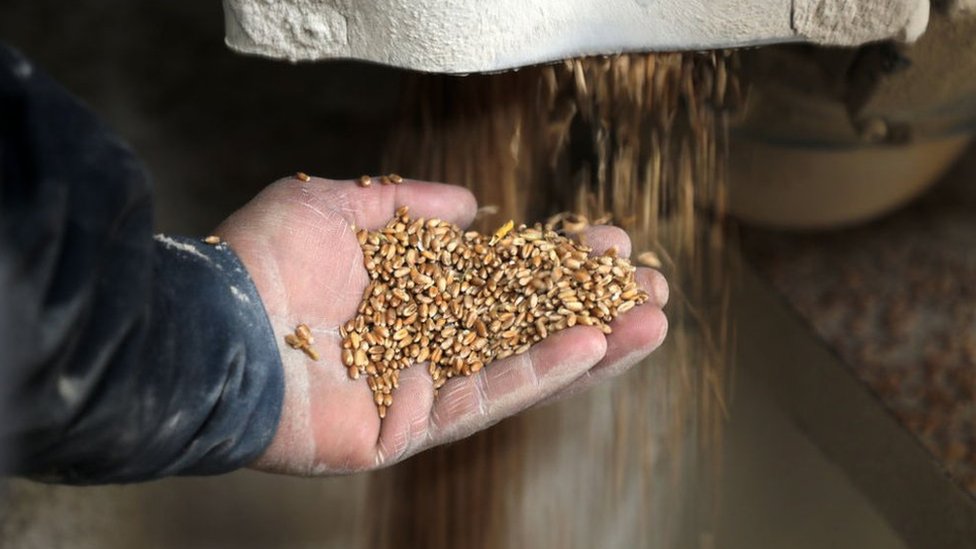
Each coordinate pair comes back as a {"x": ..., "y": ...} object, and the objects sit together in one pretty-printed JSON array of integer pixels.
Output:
[{"x": 214, "y": 127}]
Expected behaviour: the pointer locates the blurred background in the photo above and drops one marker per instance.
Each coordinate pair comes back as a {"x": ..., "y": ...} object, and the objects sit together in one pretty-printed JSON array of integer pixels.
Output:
[{"x": 851, "y": 422}]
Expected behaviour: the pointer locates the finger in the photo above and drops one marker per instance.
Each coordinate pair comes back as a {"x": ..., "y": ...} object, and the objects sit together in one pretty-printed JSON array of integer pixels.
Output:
[
  {"x": 636, "y": 334},
  {"x": 468, "y": 404},
  {"x": 405, "y": 425},
  {"x": 464, "y": 405},
  {"x": 603, "y": 237},
  {"x": 372, "y": 207},
  {"x": 654, "y": 283}
]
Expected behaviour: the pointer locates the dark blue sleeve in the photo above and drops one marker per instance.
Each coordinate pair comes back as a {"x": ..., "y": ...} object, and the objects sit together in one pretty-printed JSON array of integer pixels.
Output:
[{"x": 123, "y": 356}]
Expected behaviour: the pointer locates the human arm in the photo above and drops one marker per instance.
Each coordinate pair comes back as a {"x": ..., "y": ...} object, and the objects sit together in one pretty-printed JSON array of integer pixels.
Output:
[{"x": 126, "y": 357}]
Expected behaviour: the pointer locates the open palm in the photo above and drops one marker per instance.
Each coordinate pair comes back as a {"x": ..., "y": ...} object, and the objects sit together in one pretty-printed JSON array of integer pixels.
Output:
[{"x": 298, "y": 243}]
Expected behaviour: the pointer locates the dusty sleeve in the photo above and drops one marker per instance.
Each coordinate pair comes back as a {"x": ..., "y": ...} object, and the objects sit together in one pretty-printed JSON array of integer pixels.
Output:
[{"x": 124, "y": 356}]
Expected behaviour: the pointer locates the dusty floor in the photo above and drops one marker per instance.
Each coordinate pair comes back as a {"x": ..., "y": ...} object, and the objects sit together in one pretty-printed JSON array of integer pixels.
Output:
[{"x": 895, "y": 300}]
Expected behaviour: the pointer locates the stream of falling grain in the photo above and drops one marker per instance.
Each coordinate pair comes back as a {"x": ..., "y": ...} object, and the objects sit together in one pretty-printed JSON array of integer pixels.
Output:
[{"x": 639, "y": 137}]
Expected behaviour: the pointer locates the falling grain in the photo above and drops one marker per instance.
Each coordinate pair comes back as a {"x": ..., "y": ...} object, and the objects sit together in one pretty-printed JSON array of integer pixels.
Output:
[{"x": 598, "y": 137}]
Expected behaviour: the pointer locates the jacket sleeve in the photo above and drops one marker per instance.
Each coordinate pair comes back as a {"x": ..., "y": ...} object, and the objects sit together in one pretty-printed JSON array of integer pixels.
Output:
[{"x": 124, "y": 356}]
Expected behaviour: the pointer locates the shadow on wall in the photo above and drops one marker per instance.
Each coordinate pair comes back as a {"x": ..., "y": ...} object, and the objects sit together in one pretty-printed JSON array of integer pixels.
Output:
[{"x": 212, "y": 126}]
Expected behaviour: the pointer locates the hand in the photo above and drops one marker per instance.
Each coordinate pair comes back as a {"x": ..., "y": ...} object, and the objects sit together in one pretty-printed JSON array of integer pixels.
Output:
[{"x": 298, "y": 243}]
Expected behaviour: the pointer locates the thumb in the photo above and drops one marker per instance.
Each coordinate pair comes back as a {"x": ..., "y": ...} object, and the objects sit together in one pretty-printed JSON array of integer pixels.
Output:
[{"x": 373, "y": 206}]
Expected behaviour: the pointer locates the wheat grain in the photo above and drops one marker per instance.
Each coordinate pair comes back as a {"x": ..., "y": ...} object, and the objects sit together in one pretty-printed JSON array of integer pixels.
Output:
[{"x": 433, "y": 287}]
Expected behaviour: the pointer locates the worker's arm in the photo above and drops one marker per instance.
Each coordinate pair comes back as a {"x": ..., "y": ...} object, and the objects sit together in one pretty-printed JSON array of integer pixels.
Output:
[
  {"x": 125, "y": 357},
  {"x": 136, "y": 357}
]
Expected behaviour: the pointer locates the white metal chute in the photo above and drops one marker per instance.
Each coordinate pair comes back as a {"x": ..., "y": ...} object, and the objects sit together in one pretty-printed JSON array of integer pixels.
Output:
[{"x": 462, "y": 36}]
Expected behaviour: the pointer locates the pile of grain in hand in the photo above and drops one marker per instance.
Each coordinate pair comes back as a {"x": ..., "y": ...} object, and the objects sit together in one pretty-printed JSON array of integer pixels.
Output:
[{"x": 459, "y": 300}]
